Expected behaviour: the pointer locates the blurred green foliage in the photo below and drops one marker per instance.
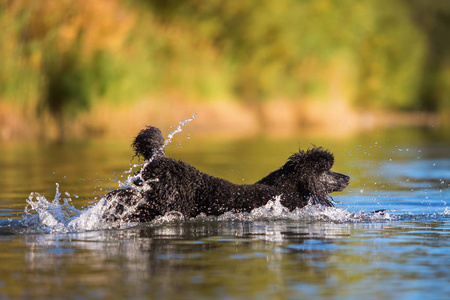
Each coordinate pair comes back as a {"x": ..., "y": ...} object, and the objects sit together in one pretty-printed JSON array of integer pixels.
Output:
[
  {"x": 286, "y": 48},
  {"x": 433, "y": 19},
  {"x": 61, "y": 57}
]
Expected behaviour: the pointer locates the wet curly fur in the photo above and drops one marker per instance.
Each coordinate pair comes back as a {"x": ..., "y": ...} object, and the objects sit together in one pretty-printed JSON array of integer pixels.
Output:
[{"x": 165, "y": 185}]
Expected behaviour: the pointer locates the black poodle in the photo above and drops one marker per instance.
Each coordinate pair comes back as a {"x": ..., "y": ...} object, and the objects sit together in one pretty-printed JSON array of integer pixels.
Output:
[{"x": 167, "y": 185}]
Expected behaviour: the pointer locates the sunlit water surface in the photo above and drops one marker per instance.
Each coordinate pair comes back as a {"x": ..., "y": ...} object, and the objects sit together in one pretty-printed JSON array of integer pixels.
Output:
[{"x": 53, "y": 244}]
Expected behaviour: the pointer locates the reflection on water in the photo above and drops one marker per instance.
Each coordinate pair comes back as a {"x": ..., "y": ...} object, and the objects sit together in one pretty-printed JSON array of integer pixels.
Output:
[
  {"x": 233, "y": 258},
  {"x": 341, "y": 253}
]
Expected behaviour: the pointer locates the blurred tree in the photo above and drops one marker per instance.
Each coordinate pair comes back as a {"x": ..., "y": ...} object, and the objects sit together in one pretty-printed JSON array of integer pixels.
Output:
[
  {"x": 271, "y": 46},
  {"x": 72, "y": 52},
  {"x": 373, "y": 54},
  {"x": 433, "y": 18}
]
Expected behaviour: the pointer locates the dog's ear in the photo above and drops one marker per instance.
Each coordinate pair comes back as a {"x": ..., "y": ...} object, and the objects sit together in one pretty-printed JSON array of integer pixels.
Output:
[
  {"x": 315, "y": 160},
  {"x": 323, "y": 159},
  {"x": 148, "y": 142}
]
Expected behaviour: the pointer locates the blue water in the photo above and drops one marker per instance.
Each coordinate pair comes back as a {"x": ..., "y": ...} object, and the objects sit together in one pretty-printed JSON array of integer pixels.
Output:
[{"x": 57, "y": 246}]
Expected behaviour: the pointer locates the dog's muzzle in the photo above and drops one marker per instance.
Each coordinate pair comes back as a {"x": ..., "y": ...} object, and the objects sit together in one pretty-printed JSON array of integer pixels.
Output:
[{"x": 334, "y": 182}]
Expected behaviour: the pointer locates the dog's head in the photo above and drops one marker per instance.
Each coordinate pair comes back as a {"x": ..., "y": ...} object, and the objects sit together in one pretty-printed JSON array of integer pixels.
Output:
[
  {"x": 149, "y": 142},
  {"x": 309, "y": 174},
  {"x": 311, "y": 170}
]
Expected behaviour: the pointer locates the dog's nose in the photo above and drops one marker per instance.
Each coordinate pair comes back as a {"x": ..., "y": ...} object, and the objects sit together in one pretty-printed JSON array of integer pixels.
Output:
[
  {"x": 347, "y": 179},
  {"x": 342, "y": 183}
]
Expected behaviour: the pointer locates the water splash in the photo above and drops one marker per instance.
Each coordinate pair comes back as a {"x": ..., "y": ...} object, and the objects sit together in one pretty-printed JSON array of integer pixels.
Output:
[
  {"x": 59, "y": 215},
  {"x": 274, "y": 210},
  {"x": 42, "y": 215},
  {"x": 179, "y": 129}
]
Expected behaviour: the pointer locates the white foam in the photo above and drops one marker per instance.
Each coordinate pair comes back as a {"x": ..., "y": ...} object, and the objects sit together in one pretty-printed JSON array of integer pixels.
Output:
[
  {"x": 274, "y": 210},
  {"x": 56, "y": 216},
  {"x": 49, "y": 216}
]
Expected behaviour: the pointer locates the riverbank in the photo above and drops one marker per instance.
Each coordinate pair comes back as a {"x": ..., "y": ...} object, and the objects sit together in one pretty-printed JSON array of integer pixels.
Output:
[{"x": 224, "y": 118}]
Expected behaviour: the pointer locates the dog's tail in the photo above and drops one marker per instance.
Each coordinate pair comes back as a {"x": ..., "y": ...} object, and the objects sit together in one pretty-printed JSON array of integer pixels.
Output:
[{"x": 148, "y": 143}]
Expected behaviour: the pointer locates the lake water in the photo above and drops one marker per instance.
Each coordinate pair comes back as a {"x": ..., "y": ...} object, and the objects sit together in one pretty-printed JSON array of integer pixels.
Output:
[{"x": 346, "y": 252}]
